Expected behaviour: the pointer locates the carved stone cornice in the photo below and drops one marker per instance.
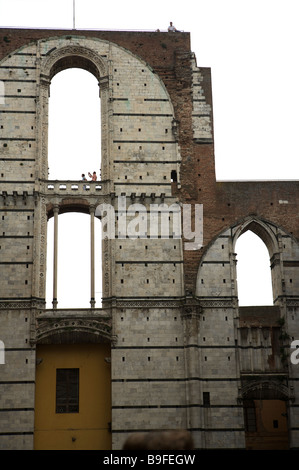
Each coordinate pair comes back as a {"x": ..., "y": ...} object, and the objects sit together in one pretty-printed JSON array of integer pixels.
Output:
[
  {"x": 218, "y": 303},
  {"x": 292, "y": 302},
  {"x": 191, "y": 308},
  {"x": 147, "y": 303},
  {"x": 267, "y": 386},
  {"x": 21, "y": 304},
  {"x": 73, "y": 326}
]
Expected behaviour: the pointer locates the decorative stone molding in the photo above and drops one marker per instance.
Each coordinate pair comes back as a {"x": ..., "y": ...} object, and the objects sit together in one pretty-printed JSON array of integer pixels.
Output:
[
  {"x": 73, "y": 327},
  {"x": 21, "y": 305},
  {"x": 87, "y": 56},
  {"x": 191, "y": 308},
  {"x": 218, "y": 303},
  {"x": 265, "y": 385},
  {"x": 148, "y": 303}
]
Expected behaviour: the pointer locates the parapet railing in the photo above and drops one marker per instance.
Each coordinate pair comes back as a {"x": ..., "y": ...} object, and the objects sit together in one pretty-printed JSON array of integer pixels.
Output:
[{"x": 74, "y": 187}]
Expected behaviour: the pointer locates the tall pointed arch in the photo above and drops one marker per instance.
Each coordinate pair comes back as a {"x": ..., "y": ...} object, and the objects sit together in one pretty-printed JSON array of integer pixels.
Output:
[
  {"x": 221, "y": 283},
  {"x": 55, "y": 61},
  {"x": 264, "y": 230},
  {"x": 270, "y": 235},
  {"x": 253, "y": 271}
]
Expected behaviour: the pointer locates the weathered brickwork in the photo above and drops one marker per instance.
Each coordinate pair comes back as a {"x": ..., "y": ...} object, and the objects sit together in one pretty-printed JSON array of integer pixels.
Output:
[{"x": 183, "y": 353}]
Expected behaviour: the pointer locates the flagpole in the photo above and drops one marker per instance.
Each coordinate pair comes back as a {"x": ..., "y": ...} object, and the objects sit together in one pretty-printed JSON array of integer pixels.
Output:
[{"x": 74, "y": 7}]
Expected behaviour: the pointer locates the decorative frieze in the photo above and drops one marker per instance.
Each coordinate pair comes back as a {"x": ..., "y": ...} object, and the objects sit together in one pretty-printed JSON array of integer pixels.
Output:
[{"x": 73, "y": 326}]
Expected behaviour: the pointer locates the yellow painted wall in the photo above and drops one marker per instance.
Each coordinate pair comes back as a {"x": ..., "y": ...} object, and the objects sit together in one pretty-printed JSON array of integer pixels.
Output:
[
  {"x": 88, "y": 429},
  {"x": 267, "y": 437}
]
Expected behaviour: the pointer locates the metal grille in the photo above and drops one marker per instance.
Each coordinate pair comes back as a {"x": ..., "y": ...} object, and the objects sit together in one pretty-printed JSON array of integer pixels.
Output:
[{"x": 67, "y": 390}]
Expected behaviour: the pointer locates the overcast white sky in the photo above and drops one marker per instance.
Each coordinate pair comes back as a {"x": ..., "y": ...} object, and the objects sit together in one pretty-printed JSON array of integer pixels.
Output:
[{"x": 251, "y": 48}]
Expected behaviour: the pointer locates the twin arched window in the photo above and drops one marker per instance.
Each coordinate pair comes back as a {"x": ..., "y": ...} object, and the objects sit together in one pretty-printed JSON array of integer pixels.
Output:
[{"x": 74, "y": 148}]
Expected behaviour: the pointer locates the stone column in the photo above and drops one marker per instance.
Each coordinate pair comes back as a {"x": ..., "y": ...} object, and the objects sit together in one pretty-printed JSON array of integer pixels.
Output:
[
  {"x": 55, "y": 257},
  {"x": 190, "y": 315},
  {"x": 92, "y": 283}
]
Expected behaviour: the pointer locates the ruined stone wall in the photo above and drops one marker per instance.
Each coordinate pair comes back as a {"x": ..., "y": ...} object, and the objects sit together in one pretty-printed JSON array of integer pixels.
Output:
[
  {"x": 174, "y": 316},
  {"x": 139, "y": 151}
]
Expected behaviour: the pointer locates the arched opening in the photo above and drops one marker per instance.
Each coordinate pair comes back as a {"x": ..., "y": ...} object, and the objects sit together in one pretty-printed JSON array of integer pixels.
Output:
[
  {"x": 74, "y": 145},
  {"x": 265, "y": 411},
  {"x": 74, "y": 261},
  {"x": 74, "y": 148},
  {"x": 77, "y": 351},
  {"x": 253, "y": 271}
]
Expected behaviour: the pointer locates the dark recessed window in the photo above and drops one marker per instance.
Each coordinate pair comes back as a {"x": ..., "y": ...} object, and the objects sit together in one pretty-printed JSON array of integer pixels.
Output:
[
  {"x": 250, "y": 416},
  {"x": 206, "y": 398},
  {"x": 67, "y": 390},
  {"x": 174, "y": 176}
]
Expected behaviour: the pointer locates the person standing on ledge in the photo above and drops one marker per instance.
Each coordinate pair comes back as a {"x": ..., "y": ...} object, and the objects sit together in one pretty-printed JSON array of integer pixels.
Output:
[
  {"x": 84, "y": 179},
  {"x": 93, "y": 176},
  {"x": 171, "y": 28}
]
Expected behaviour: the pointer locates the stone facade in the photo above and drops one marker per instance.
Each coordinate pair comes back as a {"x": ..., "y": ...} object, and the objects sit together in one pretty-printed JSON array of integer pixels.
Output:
[{"x": 183, "y": 354}]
